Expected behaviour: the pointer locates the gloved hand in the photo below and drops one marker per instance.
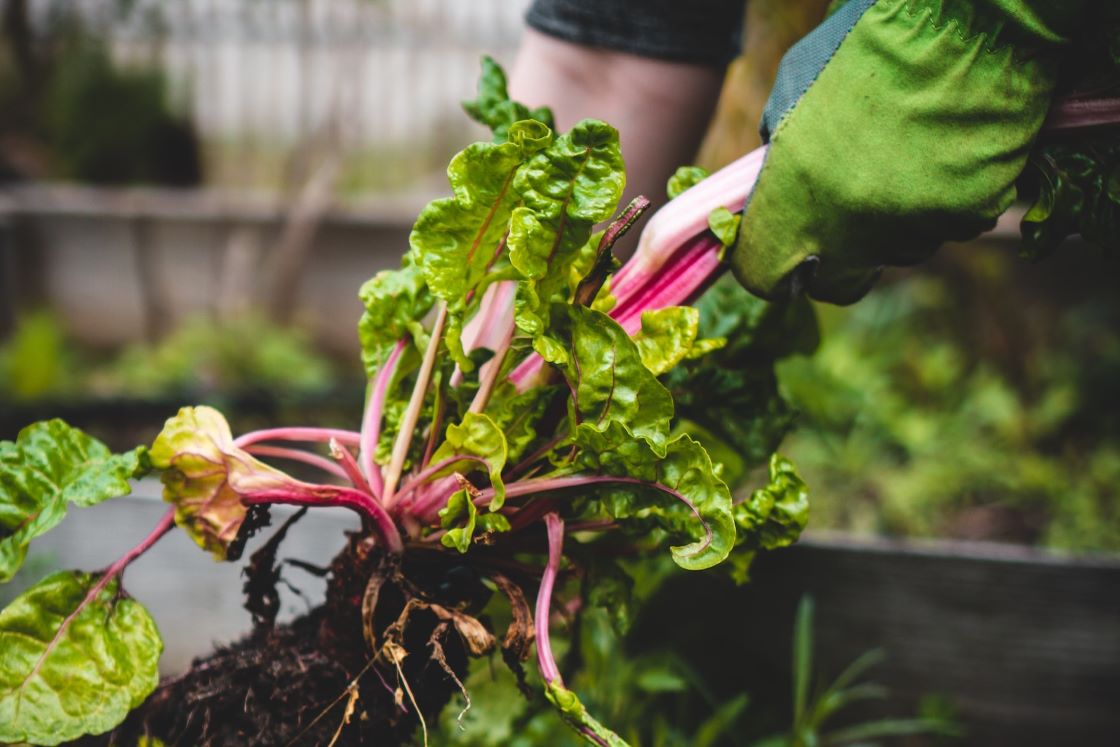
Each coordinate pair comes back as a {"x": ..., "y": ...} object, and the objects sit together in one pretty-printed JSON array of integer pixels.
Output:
[{"x": 894, "y": 126}]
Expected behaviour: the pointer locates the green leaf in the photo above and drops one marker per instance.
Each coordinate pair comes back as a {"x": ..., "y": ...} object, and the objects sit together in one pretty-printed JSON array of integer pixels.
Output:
[
  {"x": 49, "y": 467},
  {"x": 609, "y": 381},
  {"x": 516, "y": 415},
  {"x": 454, "y": 238},
  {"x": 721, "y": 724},
  {"x": 611, "y": 588},
  {"x": 802, "y": 659},
  {"x": 395, "y": 302},
  {"x": 684, "y": 178},
  {"x": 725, "y": 225},
  {"x": 684, "y": 469},
  {"x": 459, "y": 507},
  {"x": 732, "y": 392},
  {"x": 205, "y": 477},
  {"x": 477, "y": 436},
  {"x": 457, "y": 240},
  {"x": 72, "y": 667},
  {"x": 566, "y": 188},
  {"x": 774, "y": 516},
  {"x": 668, "y": 336},
  {"x": 575, "y": 715},
  {"x": 493, "y": 107}
]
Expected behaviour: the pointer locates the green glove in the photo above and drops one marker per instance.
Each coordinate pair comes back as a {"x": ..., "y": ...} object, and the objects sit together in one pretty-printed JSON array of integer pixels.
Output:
[{"x": 894, "y": 126}]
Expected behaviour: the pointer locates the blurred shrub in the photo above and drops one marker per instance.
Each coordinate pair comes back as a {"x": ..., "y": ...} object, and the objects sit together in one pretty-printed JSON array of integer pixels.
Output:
[
  {"x": 964, "y": 404},
  {"x": 35, "y": 362},
  {"x": 69, "y": 110},
  {"x": 201, "y": 356},
  {"x": 107, "y": 124}
]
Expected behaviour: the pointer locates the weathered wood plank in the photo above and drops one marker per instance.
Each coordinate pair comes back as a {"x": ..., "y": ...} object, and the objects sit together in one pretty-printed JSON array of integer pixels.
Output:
[{"x": 1026, "y": 644}]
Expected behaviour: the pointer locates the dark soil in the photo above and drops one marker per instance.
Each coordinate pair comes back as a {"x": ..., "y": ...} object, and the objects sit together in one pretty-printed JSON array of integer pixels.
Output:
[{"x": 317, "y": 681}]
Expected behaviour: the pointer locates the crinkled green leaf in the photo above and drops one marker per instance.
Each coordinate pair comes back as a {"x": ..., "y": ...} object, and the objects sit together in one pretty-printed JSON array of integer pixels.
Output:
[
  {"x": 732, "y": 392},
  {"x": 575, "y": 715},
  {"x": 775, "y": 515},
  {"x": 205, "y": 477},
  {"x": 395, "y": 303},
  {"x": 61, "y": 678},
  {"x": 611, "y": 589},
  {"x": 668, "y": 336},
  {"x": 493, "y": 107},
  {"x": 459, "y": 508},
  {"x": 477, "y": 436},
  {"x": 516, "y": 415},
  {"x": 1077, "y": 193},
  {"x": 684, "y": 178},
  {"x": 456, "y": 240},
  {"x": 566, "y": 188},
  {"x": 49, "y": 467},
  {"x": 725, "y": 225},
  {"x": 609, "y": 381},
  {"x": 686, "y": 469}
]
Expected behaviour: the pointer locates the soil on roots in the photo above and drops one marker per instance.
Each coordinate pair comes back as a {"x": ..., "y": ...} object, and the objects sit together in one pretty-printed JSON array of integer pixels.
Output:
[{"x": 314, "y": 681}]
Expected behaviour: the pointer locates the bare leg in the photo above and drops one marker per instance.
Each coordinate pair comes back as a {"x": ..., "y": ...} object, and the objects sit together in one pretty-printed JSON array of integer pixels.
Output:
[{"x": 660, "y": 108}]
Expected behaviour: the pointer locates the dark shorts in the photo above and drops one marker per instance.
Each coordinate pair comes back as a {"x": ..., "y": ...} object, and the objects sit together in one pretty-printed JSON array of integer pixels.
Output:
[{"x": 705, "y": 32}]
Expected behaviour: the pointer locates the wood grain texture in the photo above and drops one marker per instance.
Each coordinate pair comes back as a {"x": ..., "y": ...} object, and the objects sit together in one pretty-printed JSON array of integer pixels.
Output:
[{"x": 1026, "y": 644}]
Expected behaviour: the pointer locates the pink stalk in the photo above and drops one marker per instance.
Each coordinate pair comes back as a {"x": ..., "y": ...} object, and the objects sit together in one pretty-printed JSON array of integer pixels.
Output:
[
  {"x": 412, "y": 414},
  {"x": 554, "y": 525},
  {"x": 676, "y": 254},
  {"x": 491, "y": 325},
  {"x": 488, "y": 374},
  {"x": 117, "y": 568},
  {"x": 697, "y": 265},
  {"x": 432, "y": 500},
  {"x": 349, "y": 467},
  {"x": 351, "y": 438},
  {"x": 296, "y": 455},
  {"x": 549, "y": 484},
  {"x": 371, "y": 423},
  {"x": 687, "y": 216},
  {"x": 332, "y": 495}
]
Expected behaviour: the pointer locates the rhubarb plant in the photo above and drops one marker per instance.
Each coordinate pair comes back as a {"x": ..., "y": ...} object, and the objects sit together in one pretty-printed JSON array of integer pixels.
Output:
[{"x": 520, "y": 418}]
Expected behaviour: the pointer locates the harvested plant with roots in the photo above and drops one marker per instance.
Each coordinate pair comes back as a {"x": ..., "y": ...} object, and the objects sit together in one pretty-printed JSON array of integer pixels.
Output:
[{"x": 535, "y": 413}]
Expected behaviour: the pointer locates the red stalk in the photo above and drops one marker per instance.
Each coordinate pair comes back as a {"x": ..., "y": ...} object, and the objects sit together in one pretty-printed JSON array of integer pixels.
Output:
[
  {"x": 349, "y": 467},
  {"x": 295, "y": 455},
  {"x": 371, "y": 423},
  {"x": 332, "y": 495},
  {"x": 117, "y": 568},
  {"x": 351, "y": 438},
  {"x": 554, "y": 525}
]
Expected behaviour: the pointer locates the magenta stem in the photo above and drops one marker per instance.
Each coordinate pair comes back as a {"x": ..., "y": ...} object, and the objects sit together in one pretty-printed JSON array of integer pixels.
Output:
[
  {"x": 351, "y": 438},
  {"x": 548, "y": 484},
  {"x": 425, "y": 505},
  {"x": 331, "y": 495},
  {"x": 296, "y": 455},
  {"x": 554, "y": 526},
  {"x": 350, "y": 467},
  {"x": 371, "y": 423}
]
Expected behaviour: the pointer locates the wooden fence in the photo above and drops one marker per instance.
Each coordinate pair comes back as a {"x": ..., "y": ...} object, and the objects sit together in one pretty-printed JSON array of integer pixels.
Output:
[{"x": 260, "y": 77}]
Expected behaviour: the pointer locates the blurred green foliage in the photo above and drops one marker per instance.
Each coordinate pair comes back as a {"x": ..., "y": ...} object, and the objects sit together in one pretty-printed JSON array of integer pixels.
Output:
[
  {"x": 658, "y": 700},
  {"x": 69, "y": 110},
  {"x": 203, "y": 355},
  {"x": 961, "y": 403},
  {"x": 35, "y": 361},
  {"x": 109, "y": 124}
]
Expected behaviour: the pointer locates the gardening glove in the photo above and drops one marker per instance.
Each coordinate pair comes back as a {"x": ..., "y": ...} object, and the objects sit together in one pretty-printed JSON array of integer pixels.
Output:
[{"x": 894, "y": 126}]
